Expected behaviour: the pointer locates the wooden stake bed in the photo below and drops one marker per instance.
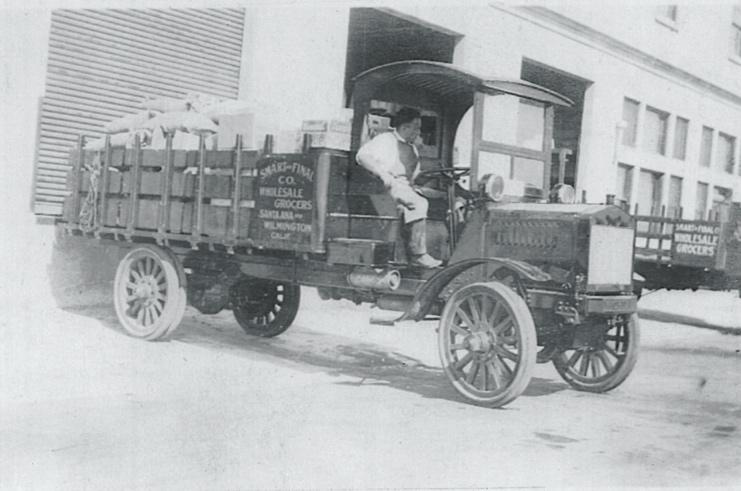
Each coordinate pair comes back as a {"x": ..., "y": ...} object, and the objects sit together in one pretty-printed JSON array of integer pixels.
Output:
[{"x": 227, "y": 198}]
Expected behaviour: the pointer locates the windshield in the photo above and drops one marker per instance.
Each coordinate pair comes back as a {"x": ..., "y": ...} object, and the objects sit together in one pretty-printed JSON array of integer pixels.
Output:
[{"x": 512, "y": 139}]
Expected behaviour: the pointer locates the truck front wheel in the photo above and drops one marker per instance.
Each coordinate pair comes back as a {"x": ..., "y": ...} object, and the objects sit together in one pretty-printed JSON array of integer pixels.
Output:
[
  {"x": 606, "y": 361},
  {"x": 265, "y": 308},
  {"x": 487, "y": 343}
]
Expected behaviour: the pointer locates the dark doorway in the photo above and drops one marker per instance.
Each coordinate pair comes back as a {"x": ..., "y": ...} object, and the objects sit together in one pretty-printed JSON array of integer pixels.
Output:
[
  {"x": 380, "y": 36},
  {"x": 567, "y": 121}
]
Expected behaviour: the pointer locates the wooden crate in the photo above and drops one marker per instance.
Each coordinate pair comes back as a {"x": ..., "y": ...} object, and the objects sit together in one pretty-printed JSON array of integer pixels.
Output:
[
  {"x": 181, "y": 217},
  {"x": 183, "y": 185},
  {"x": 147, "y": 214},
  {"x": 150, "y": 182},
  {"x": 217, "y": 186},
  {"x": 216, "y": 220}
]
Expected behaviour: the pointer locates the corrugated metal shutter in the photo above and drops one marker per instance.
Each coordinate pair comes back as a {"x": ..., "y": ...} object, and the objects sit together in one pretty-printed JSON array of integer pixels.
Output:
[{"x": 103, "y": 63}]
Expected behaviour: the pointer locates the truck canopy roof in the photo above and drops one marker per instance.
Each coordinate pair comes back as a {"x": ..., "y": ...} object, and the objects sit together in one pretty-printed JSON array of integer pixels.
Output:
[{"x": 453, "y": 83}]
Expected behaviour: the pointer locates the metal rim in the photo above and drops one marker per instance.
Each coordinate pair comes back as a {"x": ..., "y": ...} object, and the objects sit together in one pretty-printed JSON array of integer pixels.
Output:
[
  {"x": 265, "y": 308},
  {"x": 148, "y": 294},
  {"x": 487, "y": 343},
  {"x": 606, "y": 361}
]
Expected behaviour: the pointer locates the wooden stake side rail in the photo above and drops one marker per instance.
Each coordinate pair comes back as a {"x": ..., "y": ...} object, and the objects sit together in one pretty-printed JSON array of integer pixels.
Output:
[
  {"x": 655, "y": 237},
  {"x": 196, "y": 196}
]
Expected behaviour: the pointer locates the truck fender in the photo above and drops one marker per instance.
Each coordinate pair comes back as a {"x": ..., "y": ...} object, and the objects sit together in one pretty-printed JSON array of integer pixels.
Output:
[{"x": 429, "y": 292}]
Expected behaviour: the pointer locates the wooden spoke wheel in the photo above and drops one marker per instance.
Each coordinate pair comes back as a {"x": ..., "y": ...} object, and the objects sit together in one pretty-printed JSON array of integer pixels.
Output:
[
  {"x": 149, "y": 292},
  {"x": 265, "y": 308},
  {"x": 509, "y": 278},
  {"x": 606, "y": 361},
  {"x": 487, "y": 343}
]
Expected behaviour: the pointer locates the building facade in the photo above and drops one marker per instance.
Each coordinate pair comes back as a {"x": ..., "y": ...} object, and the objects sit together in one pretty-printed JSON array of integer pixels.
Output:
[{"x": 656, "y": 89}]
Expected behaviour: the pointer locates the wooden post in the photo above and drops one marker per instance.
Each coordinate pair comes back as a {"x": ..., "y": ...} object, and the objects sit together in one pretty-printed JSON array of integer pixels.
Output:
[
  {"x": 134, "y": 191},
  {"x": 103, "y": 184},
  {"x": 547, "y": 148},
  {"x": 267, "y": 147},
  {"x": 165, "y": 188},
  {"x": 237, "y": 194},
  {"x": 77, "y": 180},
  {"x": 476, "y": 136},
  {"x": 196, "y": 236}
]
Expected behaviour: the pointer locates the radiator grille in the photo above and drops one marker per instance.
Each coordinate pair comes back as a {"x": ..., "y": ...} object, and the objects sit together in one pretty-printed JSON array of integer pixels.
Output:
[{"x": 610, "y": 255}]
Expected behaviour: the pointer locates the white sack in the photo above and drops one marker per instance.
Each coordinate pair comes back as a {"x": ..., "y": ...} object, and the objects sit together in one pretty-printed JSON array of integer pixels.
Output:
[
  {"x": 198, "y": 102},
  {"x": 225, "y": 108},
  {"x": 189, "y": 121},
  {"x": 128, "y": 122},
  {"x": 120, "y": 140}
]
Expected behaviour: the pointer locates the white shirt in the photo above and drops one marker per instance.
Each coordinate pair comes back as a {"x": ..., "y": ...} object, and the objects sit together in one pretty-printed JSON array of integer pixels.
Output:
[{"x": 381, "y": 156}]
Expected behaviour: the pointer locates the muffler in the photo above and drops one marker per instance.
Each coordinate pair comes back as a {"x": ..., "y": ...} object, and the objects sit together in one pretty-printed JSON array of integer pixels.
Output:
[{"x": 374, "y": 279}]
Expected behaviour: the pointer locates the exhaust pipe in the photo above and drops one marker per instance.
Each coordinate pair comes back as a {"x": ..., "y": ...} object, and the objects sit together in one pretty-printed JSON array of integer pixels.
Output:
[{"x": 375, "y": 279}]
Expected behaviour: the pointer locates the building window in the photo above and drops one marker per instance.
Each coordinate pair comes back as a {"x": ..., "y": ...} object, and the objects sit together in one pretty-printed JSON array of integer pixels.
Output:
[
  {"x": 701, "y": 201},
  {"x": 624, "y": 182},
  {"x": 630, "y": 117},
  {"x": 721, "y": 200},
  {"x": 674, "y": 206},
  {"x": 654, "y": 130},
  {"x": 706, "y": 147},
  {"x": 681, "y": 127},
  {"x": 649, "y": 193},
  {"x": 726, "y": 151}
]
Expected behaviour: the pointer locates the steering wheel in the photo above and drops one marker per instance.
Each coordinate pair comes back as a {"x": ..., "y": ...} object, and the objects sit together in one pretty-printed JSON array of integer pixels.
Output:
[{"x": 453, "y": 173}]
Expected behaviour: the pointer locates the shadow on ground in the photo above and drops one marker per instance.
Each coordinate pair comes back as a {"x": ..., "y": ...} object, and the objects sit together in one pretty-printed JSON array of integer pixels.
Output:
[
  {"x": 303, "y": 349},
  {"x": 662, "y": 316}
]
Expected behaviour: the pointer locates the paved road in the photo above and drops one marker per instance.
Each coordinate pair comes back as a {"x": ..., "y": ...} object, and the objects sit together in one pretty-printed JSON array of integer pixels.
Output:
[{"x": 336, "y": 402}]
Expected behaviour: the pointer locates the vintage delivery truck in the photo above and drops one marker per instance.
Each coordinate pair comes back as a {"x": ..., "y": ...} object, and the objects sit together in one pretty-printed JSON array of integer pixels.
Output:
[
  {"x": 528, "y": 275},
  {"x": 677, "y": 253}
]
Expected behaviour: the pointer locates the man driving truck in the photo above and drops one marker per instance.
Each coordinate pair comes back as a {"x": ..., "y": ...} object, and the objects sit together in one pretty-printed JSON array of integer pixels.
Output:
[{"x": 393, "y": 157}]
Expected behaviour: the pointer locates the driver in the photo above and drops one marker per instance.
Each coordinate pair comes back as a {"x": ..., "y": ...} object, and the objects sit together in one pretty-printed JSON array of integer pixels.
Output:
[{"x": 394, "y": 159}]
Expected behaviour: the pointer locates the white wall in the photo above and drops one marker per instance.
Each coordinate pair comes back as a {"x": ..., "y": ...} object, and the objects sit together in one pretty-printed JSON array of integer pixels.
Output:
[
  {"x": 699, "y": 42},
  {"x": 25, "y": 246},
  {"x": 294, "y": 63}
]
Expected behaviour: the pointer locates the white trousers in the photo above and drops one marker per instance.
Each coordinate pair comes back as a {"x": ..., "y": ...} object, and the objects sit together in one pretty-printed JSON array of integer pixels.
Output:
[{"x": 404, "y": 194}]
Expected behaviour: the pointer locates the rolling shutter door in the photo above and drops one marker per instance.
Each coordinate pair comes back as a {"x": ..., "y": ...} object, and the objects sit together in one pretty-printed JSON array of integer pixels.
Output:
[{"x": 103, "y": 63}]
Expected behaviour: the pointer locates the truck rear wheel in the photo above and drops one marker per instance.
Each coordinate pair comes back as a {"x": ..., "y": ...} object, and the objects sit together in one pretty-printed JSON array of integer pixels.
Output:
[
  {"x": 265, "y": 308},
  {"x": 149, "y": 292},
  {"x": 605, "y": 362},
  {"x": 487, "y": 343}
]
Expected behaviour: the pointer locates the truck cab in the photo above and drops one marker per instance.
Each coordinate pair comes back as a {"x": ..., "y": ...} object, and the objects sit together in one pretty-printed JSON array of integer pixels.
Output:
[{"x": 473, "y": 129}]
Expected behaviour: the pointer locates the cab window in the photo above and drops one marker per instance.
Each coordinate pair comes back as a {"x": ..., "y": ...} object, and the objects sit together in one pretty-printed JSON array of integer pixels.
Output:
[
  {"x": 512, "y": 134},
  {"x": 380, "y": 119}
]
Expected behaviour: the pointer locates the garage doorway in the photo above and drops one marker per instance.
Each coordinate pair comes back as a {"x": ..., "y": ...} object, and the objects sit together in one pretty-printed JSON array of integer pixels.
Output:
[
  {"x": 380, "y": 36},
  {"x": 567, "y": 121}
]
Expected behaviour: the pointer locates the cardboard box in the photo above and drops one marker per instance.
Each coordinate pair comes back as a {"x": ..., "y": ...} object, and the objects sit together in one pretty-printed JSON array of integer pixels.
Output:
[
  {"x": 336, "y": 125},
  {"x": 330, "y": 139},
  {"x": 378, "y": 123}
]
